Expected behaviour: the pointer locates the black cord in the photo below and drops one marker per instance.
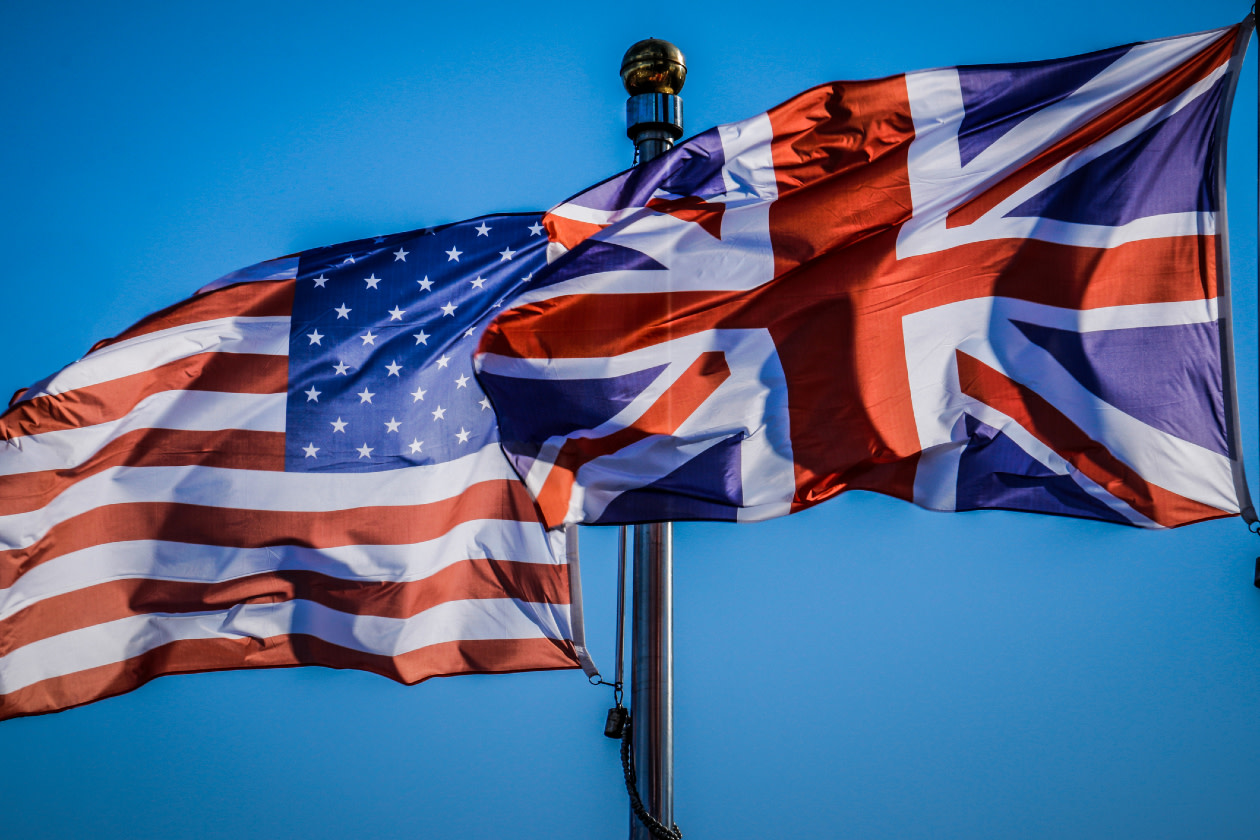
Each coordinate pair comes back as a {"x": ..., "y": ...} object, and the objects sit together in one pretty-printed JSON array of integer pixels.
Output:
[{"x": 653, "y": 825}]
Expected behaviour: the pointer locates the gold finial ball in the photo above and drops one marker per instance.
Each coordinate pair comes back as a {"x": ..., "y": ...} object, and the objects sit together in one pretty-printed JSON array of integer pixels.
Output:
[{"x": 653, "y": 66}]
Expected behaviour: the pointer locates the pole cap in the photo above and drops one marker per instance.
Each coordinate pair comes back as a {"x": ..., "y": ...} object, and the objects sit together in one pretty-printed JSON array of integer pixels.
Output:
[{"x": 653, "y": 66}]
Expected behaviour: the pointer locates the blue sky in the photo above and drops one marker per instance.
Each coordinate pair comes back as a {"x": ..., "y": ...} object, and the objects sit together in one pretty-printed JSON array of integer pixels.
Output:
[{"x": 864, "y": 669}]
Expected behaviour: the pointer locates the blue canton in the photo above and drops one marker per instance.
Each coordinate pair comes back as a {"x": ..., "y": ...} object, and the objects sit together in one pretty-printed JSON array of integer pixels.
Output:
[{"x": 381, "y": 343}]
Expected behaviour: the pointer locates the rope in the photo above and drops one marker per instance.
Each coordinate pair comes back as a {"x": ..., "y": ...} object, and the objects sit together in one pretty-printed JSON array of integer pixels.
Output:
[{"x": 653, "y": 825}]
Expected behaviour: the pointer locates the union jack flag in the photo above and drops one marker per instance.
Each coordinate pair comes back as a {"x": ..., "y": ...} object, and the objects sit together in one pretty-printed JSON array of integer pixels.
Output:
[{"x": 1000, "y": 286}]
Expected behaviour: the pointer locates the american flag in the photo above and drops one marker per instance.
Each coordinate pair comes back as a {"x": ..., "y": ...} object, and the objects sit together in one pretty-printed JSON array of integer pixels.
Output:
[
  {"x": 293, "y": 467},
  {"x": 1000, "y": 286}
]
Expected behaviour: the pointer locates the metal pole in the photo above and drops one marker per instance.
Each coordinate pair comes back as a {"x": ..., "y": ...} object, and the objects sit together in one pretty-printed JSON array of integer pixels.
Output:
[
  {"x": 653, "y": 72},
  {"x": 652, "y": 674}
]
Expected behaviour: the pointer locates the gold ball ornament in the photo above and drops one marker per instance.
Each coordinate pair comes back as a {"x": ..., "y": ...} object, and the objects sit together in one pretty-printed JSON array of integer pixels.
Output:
[{"x": 653, "y": 66}]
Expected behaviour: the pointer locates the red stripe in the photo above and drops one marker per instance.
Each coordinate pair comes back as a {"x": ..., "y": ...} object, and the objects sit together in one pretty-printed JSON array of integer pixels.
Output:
[
  {"x": 692, "y": 209},
  {"x": 1055, "y": 430},
  {"x": 569, "y": 232},
  {"x": 840, "y": 159},
  {"x": 225, "y": 526},
  {"x": 704, "y": 376},
  {"x": 560, "y": 327},
  {"x": 1157, "y": 93},
  {"x": 493, "y": 656},
  {"x": 227, "y": 448},
  {"x": 476, "y": 578},
  {"x": 246, "y": 300},
  {"x": 239, "y": 373},
  {"x": 870, "y": 280}
]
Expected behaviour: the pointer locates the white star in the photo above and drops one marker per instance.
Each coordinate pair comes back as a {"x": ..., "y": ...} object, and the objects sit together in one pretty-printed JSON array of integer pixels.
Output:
[
  {"x": 415, "y": 445},
  {"x": 535, "y": 229},
  {"x": 364, "y": 451},
  {"x": 462, "y": 382},
  {"x": 425, "y": 284},
  {"x": 310, "y": 449},
  {"x": 453, "y": 255},
  {"x": 343, "y": 311},
  {"x": 418, "y": 394},
  {"x": 340, "y": 368},
  {"x": 439, "y": 413},
  {"x": 393, "y": 368},
  {"x": 528, "y": 277},
  {"x": 400, "y": 254},
  {"x": 372, "y": 281},
  {"x": 365, "y": 396},
  {"x": 312, "y": 395},
  {"x": 468, "y": 333},
  {"x": 339, "y": 425},
  {"x": 483, "y": 229},
  {"x": 449, "y": 309},
  {"x": 320, "y": 281},
  {"x": 348, "y": 261},
  {"x": 369, "y": 339},
  {"x": 463, "y": 435},
  {"x": 422, "y": 337},
  {"x": 478, "y": 283},
  {"x": 315, "y": 337},
  {"x": 392, "y": 425},
  {"x": 506, "y": 254},
  {"x": 485, "y": 403},
  {"x": 396, "y": 314},
  {"x": 444, "y": 361}
]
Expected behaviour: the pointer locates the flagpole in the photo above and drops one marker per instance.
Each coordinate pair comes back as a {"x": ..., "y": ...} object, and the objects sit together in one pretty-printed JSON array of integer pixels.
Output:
[{"x": 653, "y": 72}]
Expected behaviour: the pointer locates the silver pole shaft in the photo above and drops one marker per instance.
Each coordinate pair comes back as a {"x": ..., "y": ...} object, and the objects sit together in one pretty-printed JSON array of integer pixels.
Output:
[
  {"x": 653, "y": 144},
  {"x": 652, "y": 673},
  {"x": 621, "y": 610}
]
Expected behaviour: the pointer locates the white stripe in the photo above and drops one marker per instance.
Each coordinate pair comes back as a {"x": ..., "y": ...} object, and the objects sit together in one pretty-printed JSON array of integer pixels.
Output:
[
  {"x": 1130, "y": 73},
  {"x": 281, "y": 268},
  {"x": 756, "y": 385},
  {"x": 117, "y": 641},
  {"x": 1026, "y": 441},
  {"x": 265, "y": 335},
  {"x": 936, "y": 476},
  {"x": 939, "y": 181},
  {"x": 590, "y": 215},
  {"x": 1165, "y": 225},
  {"x": 198, "y": 411},
  {"x": 156, "y": 559},
  {"x": 982, "y": 328},
  {"x": 258, "y": 490},
  {"x": 695, "y": 261},
  {"x": 996, "y": 225},
  {"x": 747, "y": 174}
]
